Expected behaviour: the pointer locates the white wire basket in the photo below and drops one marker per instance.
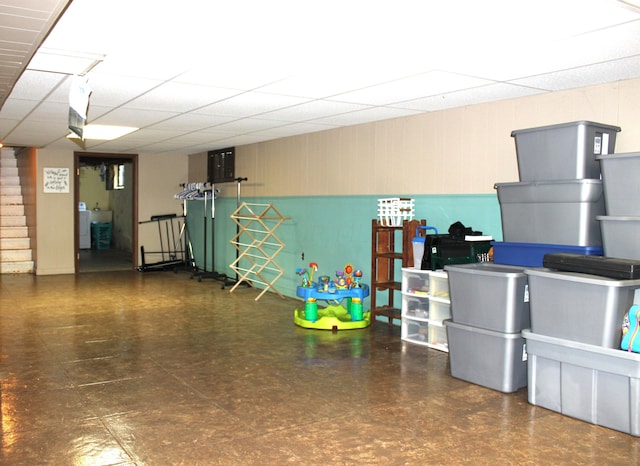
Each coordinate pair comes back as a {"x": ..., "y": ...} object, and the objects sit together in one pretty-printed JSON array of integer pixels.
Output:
[{"x": 393, "y": 211}]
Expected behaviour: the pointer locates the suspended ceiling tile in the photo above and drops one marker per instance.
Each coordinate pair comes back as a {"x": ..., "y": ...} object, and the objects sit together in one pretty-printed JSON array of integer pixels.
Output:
[
  {"x": 50, "y": 111},
  {"x": 245, "y": 125},
  {"x": 477, "y": 95},
  {"x": 229, "y": 77},
  {"x": 367, "y": 115},
  {"x": 7, "y": 124},
  {"x": 180, "y": 97},
  {"x": 18, "y": 108},
  {"x": 114, "y": 90},
  {"x": 295, "y": 129},
  {"x": 192, "y": 122},
  {"x": 251, "y": 103},
  {"x": 426, "y": 84},
  {"x": 328, "y": 82},
  {"x": 34, "y": 133},
  {"x": 127, "y": 116},
  {"x": 36, "y": 85},
  {"x": 615, "y": 70},
  {"x": 417, "y": 56},
  {"x": 312, "y": 110}
]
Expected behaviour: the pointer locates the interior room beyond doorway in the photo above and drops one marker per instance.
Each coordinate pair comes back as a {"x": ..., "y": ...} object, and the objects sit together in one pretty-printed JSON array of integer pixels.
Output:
[{"x": 106, "y": 203}]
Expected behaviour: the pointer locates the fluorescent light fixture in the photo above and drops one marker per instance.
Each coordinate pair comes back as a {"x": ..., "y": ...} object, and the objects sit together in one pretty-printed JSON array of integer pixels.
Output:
[
  {"x": 104, "y": 132},
  {"x": 64, "y": 61}
]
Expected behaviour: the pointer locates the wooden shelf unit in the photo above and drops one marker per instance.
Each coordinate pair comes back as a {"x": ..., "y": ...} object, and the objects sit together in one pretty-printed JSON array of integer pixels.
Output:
[{"x": 386, "y": 250}]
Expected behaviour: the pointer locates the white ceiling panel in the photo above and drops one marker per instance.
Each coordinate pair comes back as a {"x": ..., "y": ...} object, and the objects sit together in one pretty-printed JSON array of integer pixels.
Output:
[
  {"x": 294, "y": 129},
  {"x": 190, "y": 122},
  {"x": 18, "y": 108},
  {"x": 125, "y": 116},
  {"x": 180, "y": 97},
  {"x": 41, "y": 135},
  {"x": 50, "y": 111},
  {"x": 367, "y": 115},
  {"x": 476, "y": 95},
  {"x": 246, "y": 125},
  {"x": 245, "y": 71},
  {"x": 251, "y": 103},
  {"x": 8, "y": 124},
  {"x": 422, "y": 85},
  {"x": 614, "y": 70},
  {"x": 115, "y": 90},
  {"x": 36, "y": 85},
  {"x": 312, "y": 110},
  {"x": 230, "y": 77}
]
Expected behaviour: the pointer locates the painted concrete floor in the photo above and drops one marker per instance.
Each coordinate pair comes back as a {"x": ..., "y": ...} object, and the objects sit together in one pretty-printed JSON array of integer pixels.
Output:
[{"x": 123, "y": 368}]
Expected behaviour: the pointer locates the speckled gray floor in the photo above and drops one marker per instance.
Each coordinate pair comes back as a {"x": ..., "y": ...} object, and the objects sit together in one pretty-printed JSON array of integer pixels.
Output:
[{"x": 160, "y": 369}]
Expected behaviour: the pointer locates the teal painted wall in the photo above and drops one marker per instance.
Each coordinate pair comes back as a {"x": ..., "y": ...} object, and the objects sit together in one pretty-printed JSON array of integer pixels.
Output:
[{"x": 331, "y": 230}]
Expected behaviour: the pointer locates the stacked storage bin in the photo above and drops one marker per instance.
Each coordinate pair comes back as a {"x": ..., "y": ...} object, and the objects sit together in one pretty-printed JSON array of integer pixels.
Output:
[
  {"x": 620, "y": 175},
  {"x": 554, "y": 207},
  {"x": 489, "y": 309},
  {"x": 575, "y": 366}
]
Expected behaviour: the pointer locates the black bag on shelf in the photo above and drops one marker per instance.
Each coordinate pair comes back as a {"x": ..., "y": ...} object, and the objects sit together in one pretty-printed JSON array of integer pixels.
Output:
[{"x": 451, "y": 248}]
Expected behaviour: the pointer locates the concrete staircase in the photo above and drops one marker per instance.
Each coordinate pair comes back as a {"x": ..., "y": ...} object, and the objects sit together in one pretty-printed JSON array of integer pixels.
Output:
[{"x": 15, "y": 245}]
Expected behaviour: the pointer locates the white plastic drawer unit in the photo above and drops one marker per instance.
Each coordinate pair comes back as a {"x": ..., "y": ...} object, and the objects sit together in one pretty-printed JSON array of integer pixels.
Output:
[
  {"x": 415, "y": 331},
  {"x": 415, "y": 306},
  {"x": 439, "y": 285},
  {"x": 425, "y": 305},
  {"x": 415, "y": 281}
]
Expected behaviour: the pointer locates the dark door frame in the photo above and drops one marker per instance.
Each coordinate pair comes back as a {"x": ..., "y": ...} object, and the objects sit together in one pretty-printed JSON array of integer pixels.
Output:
[{"x": 133, "y": 159}]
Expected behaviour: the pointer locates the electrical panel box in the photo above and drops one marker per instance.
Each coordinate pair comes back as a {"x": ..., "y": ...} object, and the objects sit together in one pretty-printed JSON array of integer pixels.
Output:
[{"x": 221, "y": 165}]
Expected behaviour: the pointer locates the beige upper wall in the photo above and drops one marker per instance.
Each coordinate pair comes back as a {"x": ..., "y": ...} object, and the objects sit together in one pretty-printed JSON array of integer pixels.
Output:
[
  {"x": 459, "y": 151},
  {"x": 55, "y": 214}
]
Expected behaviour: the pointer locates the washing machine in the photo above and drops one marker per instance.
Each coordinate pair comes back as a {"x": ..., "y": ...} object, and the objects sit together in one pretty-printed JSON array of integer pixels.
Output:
[{"x": 84, "y": 226}]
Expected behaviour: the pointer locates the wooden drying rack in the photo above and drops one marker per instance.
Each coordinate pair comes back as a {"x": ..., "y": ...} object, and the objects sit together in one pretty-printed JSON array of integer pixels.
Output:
[{"x": 258, "y": 245}]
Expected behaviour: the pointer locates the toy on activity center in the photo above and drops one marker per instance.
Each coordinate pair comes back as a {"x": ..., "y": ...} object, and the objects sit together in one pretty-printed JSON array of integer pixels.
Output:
[{"x": 347, "y": 287}]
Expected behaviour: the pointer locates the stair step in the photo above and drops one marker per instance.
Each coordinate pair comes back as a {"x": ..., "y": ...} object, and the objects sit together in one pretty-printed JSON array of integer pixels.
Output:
[
  {"x": 18, "y": 255},
  {"x": 9, "y": 180},
  {"x": 11, "y": 200},
  {"x": 14, "y": 232},
  {"x": 14, "y": 244},
  {"x": 8, "y": 163},
  {"x": 16, "y": 267},
  {"x": 7, "y": 158},
  {"x": 12, "y": 220},
  {"x": 8, "y": 171},
  {"x": 10, "y": 190},
  {"x": 12, "y": 210}
]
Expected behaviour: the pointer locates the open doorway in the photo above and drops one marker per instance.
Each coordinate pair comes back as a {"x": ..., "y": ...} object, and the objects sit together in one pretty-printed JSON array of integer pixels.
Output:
[{"x": 106, "y": 199}]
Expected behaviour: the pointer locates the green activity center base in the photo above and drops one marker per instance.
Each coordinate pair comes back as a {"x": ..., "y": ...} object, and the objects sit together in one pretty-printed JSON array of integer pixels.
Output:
[{"x": 332, "y": 317}]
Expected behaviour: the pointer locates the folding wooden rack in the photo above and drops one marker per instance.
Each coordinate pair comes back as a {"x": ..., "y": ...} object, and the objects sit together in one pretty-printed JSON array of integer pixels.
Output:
[{"x": 257, "y": 245}]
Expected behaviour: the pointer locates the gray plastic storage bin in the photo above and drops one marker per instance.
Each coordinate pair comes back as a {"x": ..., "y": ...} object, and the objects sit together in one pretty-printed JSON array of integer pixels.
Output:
[
  {"x": 489, "y": 296},
  {"x": 586, "y": 382},
  {"x": 620, "y": 236},
  {"x": 563, "y": 152},
  {"x": 492, "y": 359},
  {"x": 620, "y": 175},
  {"x": 553, "y": 212},
  {"x": 579, "y": 307}
]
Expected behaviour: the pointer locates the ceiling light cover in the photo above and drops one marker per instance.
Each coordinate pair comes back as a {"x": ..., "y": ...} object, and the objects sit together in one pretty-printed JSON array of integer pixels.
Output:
[{"x": 104, "y": 132}]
